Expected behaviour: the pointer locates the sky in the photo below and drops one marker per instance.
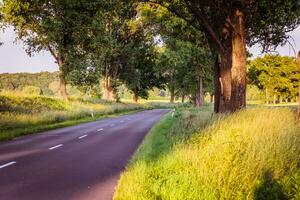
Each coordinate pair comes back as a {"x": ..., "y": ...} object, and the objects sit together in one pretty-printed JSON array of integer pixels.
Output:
[{"x": 13, "y": 57}]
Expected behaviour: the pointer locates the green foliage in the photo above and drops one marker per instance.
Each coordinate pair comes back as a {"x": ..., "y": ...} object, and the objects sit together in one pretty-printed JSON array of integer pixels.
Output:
[
  {"x": 59, "y": 27},
  {"x": 269, "y": 22},
  {"x": 43, "y": 80},
  {"x": 138, "y": 72},
  {"x": 182, "y": 63},
  {"x": 251, "y": 154},
  {"x": 32, "y": 90},
  {"x": 275, "y": 75},
  {"x": 184, "y": 57},
  {"x": 29, "y": 104},
  {"x": 100, "y": 52},
  {"x": 46, "y": 81},
  {"x": 266, "y": 22},
  {"x": 254, "y": 94}
]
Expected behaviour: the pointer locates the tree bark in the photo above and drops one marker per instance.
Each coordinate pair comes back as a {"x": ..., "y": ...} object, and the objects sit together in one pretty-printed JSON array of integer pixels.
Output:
[
  {"x": 182, "y": 98},
  {"x": 298, "y": 64},
  {"x": 106, "y": 87},
  {"x": 274, "y": 99},
  {"x": 216, "y": 75},
  {"x": 62, "y": 80},
  {"x": 172, "y": 93},
  {"x": 135, "y": 98},
  {"x": 200, "y": 92},
  {"x": 239, "y": 61},
  {"x": 225, "y": 82},
  {"x": 211, "y": 98}
]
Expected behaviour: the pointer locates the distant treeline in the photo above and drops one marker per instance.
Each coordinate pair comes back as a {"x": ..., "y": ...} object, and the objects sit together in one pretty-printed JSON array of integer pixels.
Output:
[{"x": 47, "y": 82}]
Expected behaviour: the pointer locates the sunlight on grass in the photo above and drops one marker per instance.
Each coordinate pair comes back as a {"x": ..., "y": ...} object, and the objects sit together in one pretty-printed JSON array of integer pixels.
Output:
[
  {"x": 19, "y": 111},
  {"x": 251, "y": 154},
  {"x": 22, "y": 113},
  {"x": 283, "y": 104}
]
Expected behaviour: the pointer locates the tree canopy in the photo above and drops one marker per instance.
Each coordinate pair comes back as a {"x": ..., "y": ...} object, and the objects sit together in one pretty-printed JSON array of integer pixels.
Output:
[
  {"x": 190, "y": 46},
  {"x": 277, "y": 76},
  {"x": 228, "y": 27}
]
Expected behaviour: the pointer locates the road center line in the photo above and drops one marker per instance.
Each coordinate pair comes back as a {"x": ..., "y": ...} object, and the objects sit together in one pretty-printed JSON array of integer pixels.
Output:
[
  {"x": 7, "y": 164},
  {"x": 54, "y": 147},
  {"x": 101, "y": 129},
  {"x": 83, "y": 136}
]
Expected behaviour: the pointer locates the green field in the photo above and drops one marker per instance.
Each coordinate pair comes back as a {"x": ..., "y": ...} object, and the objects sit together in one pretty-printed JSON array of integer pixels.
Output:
[{"x": 251, "y": 154}]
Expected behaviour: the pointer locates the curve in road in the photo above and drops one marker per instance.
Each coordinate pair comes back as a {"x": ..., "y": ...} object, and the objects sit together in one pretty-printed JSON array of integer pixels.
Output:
[{"x": 81, "y": 162}]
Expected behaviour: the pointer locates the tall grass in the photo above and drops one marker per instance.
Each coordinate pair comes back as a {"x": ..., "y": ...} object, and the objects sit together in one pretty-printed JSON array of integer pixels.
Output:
[
  {"x": 251, "y": 154},
  {"x": 19, "y": 111}
]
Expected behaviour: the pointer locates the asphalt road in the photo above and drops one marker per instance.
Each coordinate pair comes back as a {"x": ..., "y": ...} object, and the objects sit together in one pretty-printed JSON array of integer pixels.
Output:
[{"x": 81, "y": 162}]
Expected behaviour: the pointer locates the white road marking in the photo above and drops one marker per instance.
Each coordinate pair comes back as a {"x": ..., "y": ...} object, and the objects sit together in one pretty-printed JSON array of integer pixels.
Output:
[
  {"x": 101, "y": 129},
  {"x": 7, "y": 164},
  {"x": 54, "y": 147},
  {"x": 83, "y": 136}
]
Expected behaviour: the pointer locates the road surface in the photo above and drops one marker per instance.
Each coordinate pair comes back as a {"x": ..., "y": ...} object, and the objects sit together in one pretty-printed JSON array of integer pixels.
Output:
[{"x": 81, "y": 162}]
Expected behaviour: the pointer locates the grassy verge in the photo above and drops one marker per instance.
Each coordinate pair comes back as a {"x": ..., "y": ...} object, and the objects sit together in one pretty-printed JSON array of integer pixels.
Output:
[
  {"x": 251, "y": 154},
  {"x": 16, "y": 132},
  {"x": 22, "y": 114}
]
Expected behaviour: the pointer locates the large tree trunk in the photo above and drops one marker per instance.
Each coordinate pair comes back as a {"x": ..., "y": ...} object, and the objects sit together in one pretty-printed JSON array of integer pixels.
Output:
[
  {"x": 267, "y": 96},
  {"x": 182, "y": 98},
  {"x": 230, "y": 92},
  {"x": 172, "y": 94},
  {"x": 225, "y": 82},
  {"x": 239, "y": 61},
  {"x": 217, "y": 84},
  {"x": 135, "y": 98},
  {"x": 62, "y": 80},
  {"x": 200, "y": 92},
  {"x": 211, "y": 98},
  {"x": 298, "y": 63},
  {"x": 107, "y": 87}
]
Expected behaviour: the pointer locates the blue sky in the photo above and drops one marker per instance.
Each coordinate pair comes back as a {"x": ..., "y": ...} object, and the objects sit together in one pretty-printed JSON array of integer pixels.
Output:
[{"x": 13, "y": 57}]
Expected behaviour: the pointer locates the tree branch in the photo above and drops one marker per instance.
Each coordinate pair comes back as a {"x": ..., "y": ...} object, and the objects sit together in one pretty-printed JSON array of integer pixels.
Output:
[
  {"x": 190, "y": 22},
  {"x": 52, "y": 52},
  {"x": 199, "y": 16},
  {"x": 205, "y": 27}
]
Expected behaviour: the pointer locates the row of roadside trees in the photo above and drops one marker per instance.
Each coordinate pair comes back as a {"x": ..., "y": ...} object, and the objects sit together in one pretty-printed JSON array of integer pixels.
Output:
[
  {"x": 118, "y": 42},
  {"x": 228, "y": 26},
  {"x": 103, "y": 40},
  {"x": 277, "y": 77}
]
